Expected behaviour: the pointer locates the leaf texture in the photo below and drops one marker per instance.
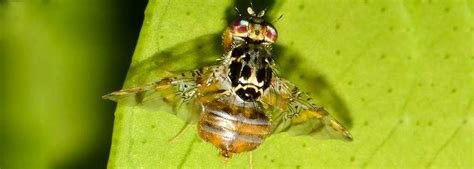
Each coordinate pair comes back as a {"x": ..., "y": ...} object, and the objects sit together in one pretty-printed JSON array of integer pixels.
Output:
[{"x": 399, "y": 74}]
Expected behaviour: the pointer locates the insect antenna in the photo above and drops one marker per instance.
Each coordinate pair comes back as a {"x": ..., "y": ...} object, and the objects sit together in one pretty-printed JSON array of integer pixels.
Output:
[
  {"x": 278, "y": 19},
  {"x": 238, "y": 12}
]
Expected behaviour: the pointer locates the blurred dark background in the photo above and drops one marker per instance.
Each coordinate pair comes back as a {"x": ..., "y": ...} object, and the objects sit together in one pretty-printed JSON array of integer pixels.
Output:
[{"x": 57, "y": 58}]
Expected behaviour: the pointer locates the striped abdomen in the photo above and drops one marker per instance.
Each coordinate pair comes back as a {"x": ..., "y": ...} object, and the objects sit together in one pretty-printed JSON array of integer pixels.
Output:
[{"x": 233, "y": 129}]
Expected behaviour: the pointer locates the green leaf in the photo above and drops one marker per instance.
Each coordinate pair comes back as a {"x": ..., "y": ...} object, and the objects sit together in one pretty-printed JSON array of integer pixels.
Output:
[{"x": 398, "y": 73}]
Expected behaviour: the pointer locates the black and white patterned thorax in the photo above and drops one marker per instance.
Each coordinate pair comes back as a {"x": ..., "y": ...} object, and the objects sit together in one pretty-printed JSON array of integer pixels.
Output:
[{"x": 250, "y": 70}]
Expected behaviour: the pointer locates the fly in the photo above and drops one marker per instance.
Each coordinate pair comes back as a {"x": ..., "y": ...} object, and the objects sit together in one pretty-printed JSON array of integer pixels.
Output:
[{"x": 241, "y": 100}]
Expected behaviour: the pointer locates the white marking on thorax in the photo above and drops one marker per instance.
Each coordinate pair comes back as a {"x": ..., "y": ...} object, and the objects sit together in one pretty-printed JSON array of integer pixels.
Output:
[{"x": 251, "y": 80}]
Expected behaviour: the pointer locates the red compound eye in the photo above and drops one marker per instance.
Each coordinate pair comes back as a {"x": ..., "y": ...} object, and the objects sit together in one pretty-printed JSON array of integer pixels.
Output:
[
  {"x": 240, "y": 26},
  {"x": 271, "y": 35}
]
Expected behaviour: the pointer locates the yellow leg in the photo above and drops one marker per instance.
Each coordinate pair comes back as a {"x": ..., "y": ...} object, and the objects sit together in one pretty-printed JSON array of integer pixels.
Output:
[
  {"x": 250, "y": 160},
  {"x": 180, "y": 133}
]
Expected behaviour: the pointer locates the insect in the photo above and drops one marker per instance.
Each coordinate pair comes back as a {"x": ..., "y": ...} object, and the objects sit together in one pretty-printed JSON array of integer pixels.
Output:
[{"x": 241, "y": 100}]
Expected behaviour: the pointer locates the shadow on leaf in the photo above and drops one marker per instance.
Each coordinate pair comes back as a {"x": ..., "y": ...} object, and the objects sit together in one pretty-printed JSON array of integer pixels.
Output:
[
  {"x": 288, "y": 63},
  {"x": 199, "y": 52}
]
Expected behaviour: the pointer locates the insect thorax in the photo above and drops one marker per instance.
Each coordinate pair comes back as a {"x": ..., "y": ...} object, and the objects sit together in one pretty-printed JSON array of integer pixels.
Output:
[{"x": 250, "y": 70}]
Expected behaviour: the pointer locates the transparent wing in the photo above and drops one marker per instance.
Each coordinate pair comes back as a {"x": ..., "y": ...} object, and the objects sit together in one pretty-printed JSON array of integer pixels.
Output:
[
  {"x": 166, "y": 88},
  {"x": 292, "y": 111},
  {"x": 176, "y": 90}
]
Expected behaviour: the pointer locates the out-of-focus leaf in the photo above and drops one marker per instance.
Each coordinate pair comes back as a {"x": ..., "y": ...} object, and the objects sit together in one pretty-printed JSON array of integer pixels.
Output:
[
  {"x": 56, "y": 60},
  {"x": 399, "y": 73}
]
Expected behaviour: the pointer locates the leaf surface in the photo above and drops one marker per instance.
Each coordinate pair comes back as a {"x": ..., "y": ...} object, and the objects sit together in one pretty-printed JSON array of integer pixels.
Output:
[{"x": 399, "y": 74}]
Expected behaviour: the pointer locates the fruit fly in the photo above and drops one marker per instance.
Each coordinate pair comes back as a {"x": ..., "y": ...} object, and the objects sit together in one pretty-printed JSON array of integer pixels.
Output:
[{"x": 241, "y": 100}]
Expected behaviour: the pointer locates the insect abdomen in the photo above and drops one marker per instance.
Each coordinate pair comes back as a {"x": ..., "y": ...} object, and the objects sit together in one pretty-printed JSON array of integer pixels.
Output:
[{"x": 233, "y": 130}]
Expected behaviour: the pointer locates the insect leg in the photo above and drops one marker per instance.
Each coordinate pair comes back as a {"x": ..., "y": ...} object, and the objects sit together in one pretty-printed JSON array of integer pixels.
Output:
[
  {"x": 180, "y": 133},
  {"x": 195, "y": 112},
  {"x": 250, "y": 160}
]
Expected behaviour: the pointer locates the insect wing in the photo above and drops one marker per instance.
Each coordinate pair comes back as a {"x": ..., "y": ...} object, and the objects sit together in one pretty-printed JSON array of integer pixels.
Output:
[
  {"x": 316, "y": 123},
  {"x": 177, "y": 91},
  {"x": 293, "y": 112}
]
